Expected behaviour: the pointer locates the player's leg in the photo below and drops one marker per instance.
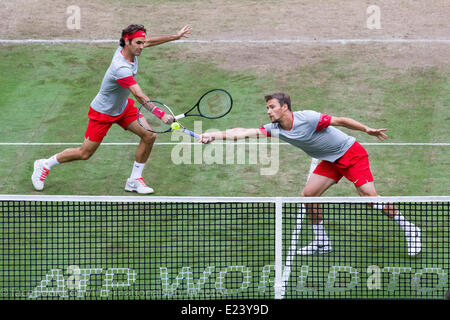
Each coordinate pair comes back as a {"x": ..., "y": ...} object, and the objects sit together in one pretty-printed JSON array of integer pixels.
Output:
[
  {"x": 136, "y": 182},
  {"x": 146, "y": 143},
  {"x": 412, "y": 232},
  {"x": 367, "y": 190},
  {"x": 84, "y": 152},
  {"x": 95, "y": 132},
  {"x": 42, "y": 167},
  {"x": 315, "y": 187},
  {"x": 128, "y": 121}
]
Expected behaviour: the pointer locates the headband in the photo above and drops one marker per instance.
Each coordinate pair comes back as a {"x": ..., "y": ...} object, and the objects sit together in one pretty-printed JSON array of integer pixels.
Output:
[{"x": 137, "y": 34}]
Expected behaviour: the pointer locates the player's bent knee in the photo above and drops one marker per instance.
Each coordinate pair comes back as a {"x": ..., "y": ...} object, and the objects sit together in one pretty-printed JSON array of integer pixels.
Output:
[
  {"x": 367, "y": 190},
  {"x": 369, "y": 194},
  {"x": 85, "y": 154},
  {"x": 308, "y": 193},
  {"x": 149, "y": 137}
]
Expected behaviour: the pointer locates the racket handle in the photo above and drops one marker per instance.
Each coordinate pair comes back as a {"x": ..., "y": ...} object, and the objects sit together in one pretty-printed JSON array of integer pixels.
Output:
[
  {"x": 180, "y": 116},
  {"x": 193, "y": 134}
]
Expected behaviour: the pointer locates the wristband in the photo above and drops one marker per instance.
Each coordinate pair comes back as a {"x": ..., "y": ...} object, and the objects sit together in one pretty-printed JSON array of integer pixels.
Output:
[{"x": 158, "y": 112}]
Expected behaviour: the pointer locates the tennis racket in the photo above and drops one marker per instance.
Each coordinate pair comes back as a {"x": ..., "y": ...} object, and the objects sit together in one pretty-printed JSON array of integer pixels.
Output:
[{"x": 213, "y": 104}]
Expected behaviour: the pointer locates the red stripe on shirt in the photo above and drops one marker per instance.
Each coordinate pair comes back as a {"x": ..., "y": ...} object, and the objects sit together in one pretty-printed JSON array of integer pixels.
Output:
[
  {"x": 264, "y": 131},
  {"x": 324, "y": 121},
  {"x": 126, "y": 82}
]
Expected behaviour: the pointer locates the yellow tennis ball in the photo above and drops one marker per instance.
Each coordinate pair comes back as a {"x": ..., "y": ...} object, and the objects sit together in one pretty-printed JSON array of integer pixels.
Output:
[{"x": 175, "y": 126}]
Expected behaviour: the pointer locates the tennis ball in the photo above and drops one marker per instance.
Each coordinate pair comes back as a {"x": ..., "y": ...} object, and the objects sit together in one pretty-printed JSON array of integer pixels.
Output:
[{"x": 175, "y": 126}]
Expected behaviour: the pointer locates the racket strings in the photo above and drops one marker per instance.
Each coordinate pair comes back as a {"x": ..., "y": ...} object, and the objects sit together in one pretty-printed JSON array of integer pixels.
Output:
[
  {"x": 215, "y": 104},
  {"x": 212, "y": 105}
]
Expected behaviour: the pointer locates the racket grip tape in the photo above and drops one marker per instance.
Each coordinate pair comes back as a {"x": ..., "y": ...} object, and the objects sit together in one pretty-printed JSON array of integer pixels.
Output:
[{"x": 193, "y": 134}]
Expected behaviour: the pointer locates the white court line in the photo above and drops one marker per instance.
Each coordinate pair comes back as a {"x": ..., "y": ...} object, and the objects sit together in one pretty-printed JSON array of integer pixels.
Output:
[
  {"x": 301, "y": 41},
  {"x": 217, "y": 142},
  {"x": 322, "y": 41},
  {"x": 233, "y": 41}
]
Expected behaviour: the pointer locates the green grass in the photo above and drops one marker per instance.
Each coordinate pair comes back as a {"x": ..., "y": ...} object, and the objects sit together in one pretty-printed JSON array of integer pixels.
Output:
[
  {"x": 139, "y": 238},
  {"x": 47, "y": 97},
  {"x": 212, "y": 251},
  {"x": 46, "y": 94},
  {"x": 363, "y": 239}
]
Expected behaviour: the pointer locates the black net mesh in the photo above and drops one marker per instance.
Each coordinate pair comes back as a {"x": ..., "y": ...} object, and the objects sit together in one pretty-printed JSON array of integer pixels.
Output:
[{"x": 197, "y": 251}]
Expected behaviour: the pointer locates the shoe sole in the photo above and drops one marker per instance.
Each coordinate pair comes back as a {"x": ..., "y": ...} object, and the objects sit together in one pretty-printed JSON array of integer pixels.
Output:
[
  {"x": 133, "y": 190},
  {"x": 36, "y": 163}
]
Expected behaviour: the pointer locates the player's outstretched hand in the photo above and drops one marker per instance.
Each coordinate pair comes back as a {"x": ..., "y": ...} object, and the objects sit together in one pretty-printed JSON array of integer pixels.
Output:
[
  {"x": 205, "y": 138},
  {"x": 184, "y": 32},
  {"x": 379, "y": 133}
]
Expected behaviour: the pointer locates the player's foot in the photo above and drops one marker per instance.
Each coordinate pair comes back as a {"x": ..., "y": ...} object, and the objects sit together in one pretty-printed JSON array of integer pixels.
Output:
[
  {"x": 39, "y": 174},
  {"x": 413, "y": 239},
  {"x": 137, "y": 185},
  {"x": 315, "y": 247}
]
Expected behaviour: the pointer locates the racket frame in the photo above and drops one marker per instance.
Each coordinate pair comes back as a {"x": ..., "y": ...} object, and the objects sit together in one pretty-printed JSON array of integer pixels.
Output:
[
  {"x": 183, "y": 129},
  {"x": 186, "y": 114},
  {"x": 197, "y": 106},
  {"x": 160, "y": 103}
]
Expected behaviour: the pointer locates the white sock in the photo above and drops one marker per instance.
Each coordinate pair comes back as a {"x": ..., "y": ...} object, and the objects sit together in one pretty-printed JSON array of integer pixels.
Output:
[
  {"x": 51, "y": 162},
  {"x": 319, "y": 232},
  {"x": 402, "y": 222},
  {"x": 136, "y": 173}
]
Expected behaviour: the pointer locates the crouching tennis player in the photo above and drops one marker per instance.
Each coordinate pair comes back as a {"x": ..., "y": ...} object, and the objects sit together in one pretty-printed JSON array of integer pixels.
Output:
[
  {"x": 341, "y": 155},
  {"x": 112, "y": 105}
]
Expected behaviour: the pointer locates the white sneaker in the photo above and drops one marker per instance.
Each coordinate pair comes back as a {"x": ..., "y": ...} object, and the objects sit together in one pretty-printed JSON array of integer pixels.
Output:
[
  {"x": 39, "y": 174},
  {"x": 137, "y": 185},
  {"x": 413, "y": 239},
  {"x": 315, "y": 247}
]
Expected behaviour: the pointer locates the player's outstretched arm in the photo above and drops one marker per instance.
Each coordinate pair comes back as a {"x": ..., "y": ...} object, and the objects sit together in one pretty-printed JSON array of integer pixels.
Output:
[
  {"x": 154, "y": 41},
  {"x": 355, "y": 125},
  {"x": 231, "y": 134}
]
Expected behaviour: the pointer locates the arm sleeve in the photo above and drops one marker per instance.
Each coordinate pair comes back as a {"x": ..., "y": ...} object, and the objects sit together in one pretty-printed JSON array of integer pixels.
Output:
[
  {"x": 317, "y": 121},
  {"x": 125, "y": 78},
  {"x": 266, "y": 129},
  {"x": 324, "y": 122}
]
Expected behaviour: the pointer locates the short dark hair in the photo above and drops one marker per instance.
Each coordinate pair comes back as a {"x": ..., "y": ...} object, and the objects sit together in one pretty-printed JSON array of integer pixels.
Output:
[
  {"x": 132, "y": 28},
  {"x": 282, "y": 98}
]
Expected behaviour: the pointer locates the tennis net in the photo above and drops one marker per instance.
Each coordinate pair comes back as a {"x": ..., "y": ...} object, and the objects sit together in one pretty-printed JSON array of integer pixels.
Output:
[{"x": 179, "y": 248}]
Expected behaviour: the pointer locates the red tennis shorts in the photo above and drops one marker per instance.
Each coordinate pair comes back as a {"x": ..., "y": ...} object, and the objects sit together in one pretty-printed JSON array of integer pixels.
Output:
[
  {"x": 354, "y": 165},
  {"x": 100, "y": 123}
]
